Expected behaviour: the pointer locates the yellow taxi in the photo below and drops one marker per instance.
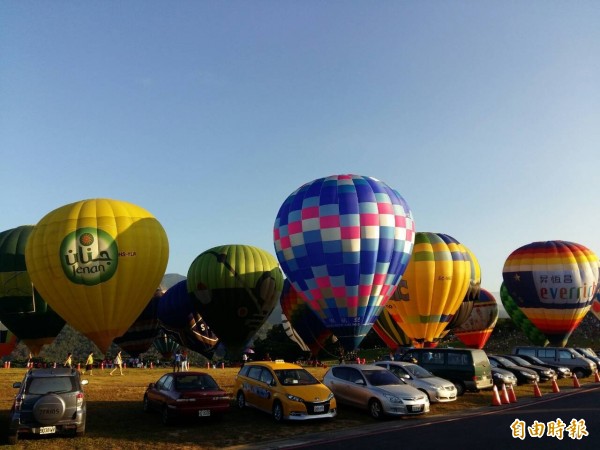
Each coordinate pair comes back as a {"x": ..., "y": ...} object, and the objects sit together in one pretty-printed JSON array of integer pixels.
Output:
[{"x": 284, "y": 390}]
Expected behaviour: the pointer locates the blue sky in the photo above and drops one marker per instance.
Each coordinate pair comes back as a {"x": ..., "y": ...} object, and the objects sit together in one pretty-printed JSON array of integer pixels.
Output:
[{"x": 484, "y": 115}]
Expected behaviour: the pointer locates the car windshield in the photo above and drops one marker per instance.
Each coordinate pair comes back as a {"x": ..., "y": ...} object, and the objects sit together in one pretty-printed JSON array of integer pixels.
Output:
[
  {"x": 194, "y": 382},
  {"x": 536, "y": 360},
  {"x": 520, "y": 361},
  {"x": 381, "y": 377},
  {"x": 288, "y": 377},
  {"x": 418, "y": 371},
  {"x": 505, "y": 362},
  {"x": 588, "y": 352}
]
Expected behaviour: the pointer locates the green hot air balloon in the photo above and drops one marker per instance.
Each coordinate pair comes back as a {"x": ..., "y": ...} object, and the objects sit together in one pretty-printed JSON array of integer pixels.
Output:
[
  {"x": 535, "y": 336},
  {"x": 22, "y": 310},
  {"x": 235, "y": 288}
]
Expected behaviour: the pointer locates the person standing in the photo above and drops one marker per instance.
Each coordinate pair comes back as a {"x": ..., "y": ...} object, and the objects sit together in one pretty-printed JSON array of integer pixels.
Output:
[
  {"x": 89, "y": 364},
  {"x": 69, "y": 361},
  {"x": 118, "y": 364}
]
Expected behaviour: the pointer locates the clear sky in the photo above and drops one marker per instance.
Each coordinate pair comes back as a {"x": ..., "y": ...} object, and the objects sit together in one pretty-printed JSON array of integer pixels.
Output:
[{"x": 484, "y": 115}]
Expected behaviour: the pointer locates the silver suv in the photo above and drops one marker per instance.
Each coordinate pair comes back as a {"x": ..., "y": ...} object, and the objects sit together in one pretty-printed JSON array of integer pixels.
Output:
[{"x": 49, "y": 401}]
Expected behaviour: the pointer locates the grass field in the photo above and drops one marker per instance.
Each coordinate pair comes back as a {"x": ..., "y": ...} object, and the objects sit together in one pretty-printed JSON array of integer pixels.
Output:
[{"x": 116, "y": 421}]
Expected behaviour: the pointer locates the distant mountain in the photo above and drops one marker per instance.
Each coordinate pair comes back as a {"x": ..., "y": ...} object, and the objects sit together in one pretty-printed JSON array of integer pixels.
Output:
[{"x": 171, "y": 279}]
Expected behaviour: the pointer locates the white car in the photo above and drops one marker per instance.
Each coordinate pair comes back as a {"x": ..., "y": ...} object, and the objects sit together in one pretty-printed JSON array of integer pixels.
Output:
[
  {"x": 437, "y": 389},
  {"x": 376, "y": 389}
]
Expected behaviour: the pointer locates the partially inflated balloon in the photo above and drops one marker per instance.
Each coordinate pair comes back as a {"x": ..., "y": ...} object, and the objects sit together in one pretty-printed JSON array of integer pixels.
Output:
[
  {"x": 553, "y": 284},
  {"x": 595, "y": 309},
  {"x": 434, "y": 285},
  {"x": 390, "y": 332},
  {"x": 293, "y": 334},
  {"x": 535, "y": 336},
  {"x": 97, "y": 262},
  {"x": 303, "y": 319},
  {"x": 477, "y": 329},
  {"x": 236, "y": 288},
  {"x": 165, "y": 345},
  {"x": 8, "y": 341},
  {"x": 142, "y": 332},
  {"x": 181, "y": 319},
  {"x": 344, "y": 242},
  {"x": 22, "y": 308}
]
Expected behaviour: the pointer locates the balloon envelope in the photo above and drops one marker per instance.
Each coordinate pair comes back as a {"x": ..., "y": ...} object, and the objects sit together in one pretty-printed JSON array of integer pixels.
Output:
[
  {"x": 432, "y": 288},
  {"x": 235, "y": 288},
  {"x": 553, "y": 284},
  {"x": 165, "y": 345},
  {"x": 303, "y": 320},
  {"x": 477, "y": 329},
  {"x": 8, "y": 341},
  {"x": 344, "y": 241},
  {"x": 181, "y": 320},
  {"x": 22, "y": 309},
  {"x": 535, "y": 336},
  {"x": 390, "y": 331},
  {"x": 97, "y": 262}
]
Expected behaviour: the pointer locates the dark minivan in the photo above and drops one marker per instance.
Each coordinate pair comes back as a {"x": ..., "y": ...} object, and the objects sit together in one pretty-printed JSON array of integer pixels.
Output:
[{"x": 468, "y": 369}]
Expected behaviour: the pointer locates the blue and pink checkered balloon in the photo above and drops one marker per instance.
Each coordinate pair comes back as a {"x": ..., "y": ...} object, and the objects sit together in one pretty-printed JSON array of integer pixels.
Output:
[{"x": 343, "y": 242}]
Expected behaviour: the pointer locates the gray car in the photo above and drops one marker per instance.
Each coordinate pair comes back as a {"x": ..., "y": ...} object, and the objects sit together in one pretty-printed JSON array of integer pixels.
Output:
[
  {"x": 437, "y": 389},
  {"x": 49, "y": 402},
  {"x": 375, "y": 389}
]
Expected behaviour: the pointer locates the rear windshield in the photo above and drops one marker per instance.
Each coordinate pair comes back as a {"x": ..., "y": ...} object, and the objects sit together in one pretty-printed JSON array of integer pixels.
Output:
[
  {"x": 195, "y": 382},
  {"x": 56, "y": 385}
]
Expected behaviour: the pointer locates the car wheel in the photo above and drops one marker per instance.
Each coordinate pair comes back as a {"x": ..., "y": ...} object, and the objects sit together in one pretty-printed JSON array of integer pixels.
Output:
[
  {"x": 166, "y": 416},
  {"x": 460, "y": 388},
  {"x": 13, "y": 438},
  {"x": 579, "y": 373},
  {"x": 241, "y": 400},
  {"x": 375, "y": 409},
  {"x": 277, "y": 412},
  {"x": 146, "y": 406}
]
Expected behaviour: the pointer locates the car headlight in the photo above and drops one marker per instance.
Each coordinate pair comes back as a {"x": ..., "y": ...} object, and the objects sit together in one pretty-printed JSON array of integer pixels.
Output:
[
  {"x": 527, "y": 374},
  {"x": 329, "y": 397},
  {"x": 294, "y": 398},
  {"x": 392, "y": 398},
  {"x": 498, "y": 375}
]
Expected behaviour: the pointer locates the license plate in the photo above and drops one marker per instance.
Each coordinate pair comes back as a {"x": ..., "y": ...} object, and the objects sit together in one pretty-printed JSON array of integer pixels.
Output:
[
  {"x": 204, "y": 412},
  {"x": 319, "y": 408},
  {"x": 47, "y": 430},
  {"x": 417, "y": 408}
]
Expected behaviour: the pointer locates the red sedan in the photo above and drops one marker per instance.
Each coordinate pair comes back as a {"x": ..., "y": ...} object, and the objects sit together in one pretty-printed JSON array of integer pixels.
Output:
[{"x": 186, "y": 395}]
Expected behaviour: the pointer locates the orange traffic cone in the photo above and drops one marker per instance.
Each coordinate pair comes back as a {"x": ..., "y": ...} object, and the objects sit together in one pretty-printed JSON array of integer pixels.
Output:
[
  {"x": 496, "y": 397},
  {"x": 576, "y": 383},
  {"x": 536, "y": 390},
  {"x": 597, "y": 377},
  {"x": 504, "y": 398},
  {"x": 511, "y": 394},
  {"x": 555, "y": 387}
]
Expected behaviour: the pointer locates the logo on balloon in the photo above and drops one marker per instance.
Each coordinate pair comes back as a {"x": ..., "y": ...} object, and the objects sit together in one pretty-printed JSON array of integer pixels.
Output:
[{"x": 89, "y": 256}]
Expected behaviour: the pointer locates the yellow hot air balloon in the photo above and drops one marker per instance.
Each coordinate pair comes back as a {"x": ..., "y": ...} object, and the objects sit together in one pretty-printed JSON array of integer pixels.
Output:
[
  {"x": 97, "y": 262},
  {"x": 433, "y": 287}
]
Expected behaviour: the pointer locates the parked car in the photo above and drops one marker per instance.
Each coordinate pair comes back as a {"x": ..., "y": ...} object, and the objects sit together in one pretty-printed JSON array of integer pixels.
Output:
[
  {"x": 561, "y": 371},
  {"x": 588, "y": 353},
  {"x": 437, "y": 389},
  {"x": 375, "y": 389},
  {"x": 468, "y": 369},
  {"x": 545, "y": 373},
  {"x": 179, "y": 395},
  {"x": 49, "y": 401},
  {"x": 503, "y": 377},
  {"x": 580, "y": 366},
  {"x": 286, "y": 391},
  {"x": 524, "y": 375}
]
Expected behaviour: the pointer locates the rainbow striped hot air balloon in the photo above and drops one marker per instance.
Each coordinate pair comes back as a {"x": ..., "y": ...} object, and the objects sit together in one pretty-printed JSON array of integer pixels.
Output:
[
  {"x": 477, "y": 329},
  {"x": 553, "y": 284},
  {"x": 344, "y": 242}
]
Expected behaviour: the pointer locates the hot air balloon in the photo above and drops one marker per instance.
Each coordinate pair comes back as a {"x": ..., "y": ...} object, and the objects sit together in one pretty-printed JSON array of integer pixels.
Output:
[
  {"x": 141, "y": 334},
  {"x": 477, "y": 329},
  {"x": 22, "y": 309},
  {"x": 553, "y": 284},
  {"x": 179, "y": 317},
  {"x": 292, "y": 334},
  {"x": 303, "y": 320},
  {"x": 535, "y": 336},
  {"x": 165, "y": 345},
  {"x": 434, "y": 285},
  {"x": 390, "y": 332},
  {"x": 595, "y": 309},
  {"x": 8, "y": 341},
  {"x": 236, "y": 288},
  {"x": 344, "y": 242},
  {"x": 97, "y": 262}
]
